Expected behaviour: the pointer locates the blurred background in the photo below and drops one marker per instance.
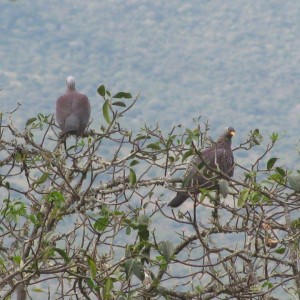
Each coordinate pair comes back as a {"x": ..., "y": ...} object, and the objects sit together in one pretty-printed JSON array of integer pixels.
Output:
[{"x": 231, "y": 62}]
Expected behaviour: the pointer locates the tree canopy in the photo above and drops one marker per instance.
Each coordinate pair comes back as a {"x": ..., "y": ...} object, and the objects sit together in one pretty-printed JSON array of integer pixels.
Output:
[{"x": 87, "y": 217}]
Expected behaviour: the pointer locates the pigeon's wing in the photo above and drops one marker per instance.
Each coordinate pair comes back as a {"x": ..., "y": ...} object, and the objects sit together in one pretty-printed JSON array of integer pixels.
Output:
[
  {"x": 226, "y": 161},
  {"x": 197, "y": 166},
  {"x": 82, "y": 109},
  {"x": 63, "y": 110}
]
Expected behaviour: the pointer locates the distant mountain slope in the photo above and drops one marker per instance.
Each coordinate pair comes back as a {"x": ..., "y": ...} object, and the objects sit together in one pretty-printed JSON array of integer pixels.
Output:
[{"x": 234, "y": 63}]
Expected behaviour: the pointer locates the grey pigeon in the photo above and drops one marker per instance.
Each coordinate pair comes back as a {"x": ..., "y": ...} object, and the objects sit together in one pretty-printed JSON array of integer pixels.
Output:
[
  {"x": 73, "y": 110},
  {"x": 198, "y": 175}
]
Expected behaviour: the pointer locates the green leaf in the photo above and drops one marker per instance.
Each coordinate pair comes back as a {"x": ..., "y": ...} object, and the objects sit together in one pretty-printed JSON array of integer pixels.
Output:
[
  {"x": 138, "y": 270},
  {"x": 118, "y": 213},
  {"x": 223, "y": 187},
  {"x": 190, "y": 133},
  {"x": 294, "y": 181},
  {"x": 2, "y": 265},
  {"x": 188, "y": 140},
  {"x": 134, "y": 162},
  {"x": 132, "y": 177},
  {"x": 93, "y": 268},
  {"x": 123, "y": 95},
  {"x": 55, "y": 197},
  {"x": 267, "y": 284},
  {"x": 107, "y": 288},
  {"x": 30, "y": 121},
  {"x": 280, "y": 250},
  {"x": 142, "y": 137},
  {"x": 271, "y": 162},
  {"x": 37, "y": 290},
  {"x": 17, "y": 259},
  {"x": 101, "y": 223},
  {"x": 187, "y": 154},
  {"x": 128, "y": 230},
  {"x": 256, "y": 139},
  {"x": 243, "y": 197},
  {"x": 296, "y": 223},
  {"x": 171, "y": 159},
  {"x": 18, "y": 157},
  {"x": 33, "y": 219},
  {"x": 170, "y": 141},
  {"x": 119, "y": 103},
  {"x": 101, "y": 90},
  {"x": 90, "y": 283},
  {"x": 280, "y": 171},
  {"x": 276, "y": 177},
  {"x": 166, "y": 248},
  {"x": 128, "y": 266},
  {"x": 42, "y": 179},
  {"x": 255, "y": 197},
  {"x": 133, "y": 266},
  {"x": 143, "y": 233},
  {"x": 154, "y": 146},
  {"x": 274, "y": 136},
  {"x": 63, "y": 254},
  {"x": 199, "y": 289},
  {"x": 42, "y": 117},
  {"x": 105, "y": 110}
]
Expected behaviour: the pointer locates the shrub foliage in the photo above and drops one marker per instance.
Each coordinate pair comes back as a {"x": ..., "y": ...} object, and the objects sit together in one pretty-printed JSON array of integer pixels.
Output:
[{"x": 86, "y": 218}]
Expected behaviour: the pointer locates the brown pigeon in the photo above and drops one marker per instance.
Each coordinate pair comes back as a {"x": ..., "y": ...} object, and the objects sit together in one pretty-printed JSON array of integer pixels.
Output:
[
  {"x": 73, "y": 110},
  {"x": 198, "y": 175}
]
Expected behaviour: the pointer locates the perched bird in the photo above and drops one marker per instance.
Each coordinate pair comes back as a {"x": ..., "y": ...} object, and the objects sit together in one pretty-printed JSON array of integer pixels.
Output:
[
  {"x": 198, "y": 175},
  {"x": 73, "y": 110}
]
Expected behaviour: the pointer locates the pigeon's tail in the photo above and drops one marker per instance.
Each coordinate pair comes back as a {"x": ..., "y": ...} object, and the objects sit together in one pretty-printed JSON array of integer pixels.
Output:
[{"x": 178, "y": 199}]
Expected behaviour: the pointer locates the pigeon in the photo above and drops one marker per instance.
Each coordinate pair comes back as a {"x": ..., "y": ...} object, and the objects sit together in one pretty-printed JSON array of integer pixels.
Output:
[
  {"x": 73, "y": 110},
  {"x": 219, "y": 157}
]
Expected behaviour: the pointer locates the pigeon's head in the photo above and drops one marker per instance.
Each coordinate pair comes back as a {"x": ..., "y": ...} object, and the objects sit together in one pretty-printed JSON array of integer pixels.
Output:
[
  {"x": 229, "y": 132},
  {"x": 70, "y": 83}
]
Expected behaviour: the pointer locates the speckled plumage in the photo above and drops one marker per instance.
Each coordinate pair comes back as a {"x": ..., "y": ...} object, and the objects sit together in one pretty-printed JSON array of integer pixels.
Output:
[
  {"x": 198, "y": 175},
  {"x": 72, "y": 110}
]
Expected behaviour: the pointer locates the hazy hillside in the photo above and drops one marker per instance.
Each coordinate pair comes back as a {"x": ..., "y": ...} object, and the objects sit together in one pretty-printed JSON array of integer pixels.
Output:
[{"x": 231, "y": 62}]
